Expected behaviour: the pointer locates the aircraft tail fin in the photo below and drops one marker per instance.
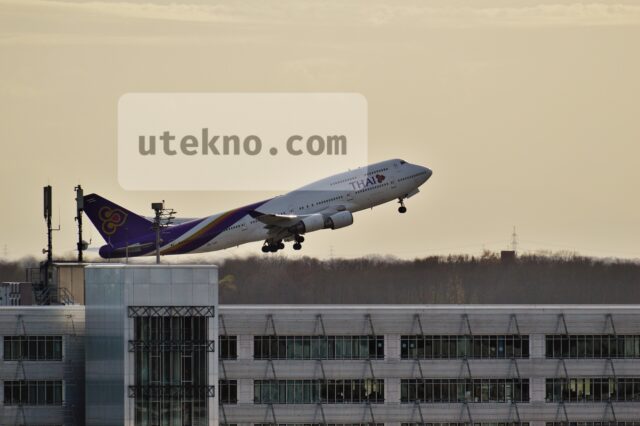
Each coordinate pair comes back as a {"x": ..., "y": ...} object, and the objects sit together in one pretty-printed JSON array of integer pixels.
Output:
[{"x": 115, "y": 223}]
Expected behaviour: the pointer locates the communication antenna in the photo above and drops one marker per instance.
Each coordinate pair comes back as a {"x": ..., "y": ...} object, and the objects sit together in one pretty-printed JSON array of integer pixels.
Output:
[
  {"x": 82, "y": 245},
  {"x": 162, "y": 219},
  {"x": 514, "y": 240},
  {"x": 48, "y": 204}
]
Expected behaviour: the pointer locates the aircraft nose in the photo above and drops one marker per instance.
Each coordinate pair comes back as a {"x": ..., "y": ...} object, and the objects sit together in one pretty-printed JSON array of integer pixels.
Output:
[{"x": 428, "y": 171}]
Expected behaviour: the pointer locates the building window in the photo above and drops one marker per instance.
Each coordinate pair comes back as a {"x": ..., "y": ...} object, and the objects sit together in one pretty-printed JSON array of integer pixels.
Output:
[
  {"x": 464, "y": 346},
  {"x": 171, "y": 369},
  {"x": 33, "y": 348},
  {"x": 318, "y": 391},
  {"x": 228, "y": 347},
  {"x": 507, "y": 423},
  {"x": 592, "y": 346},
  {"x": 319, "y": 424},
  {"x": 33, "y": 392},
  {"x": 228, "y": 391},
  {"x": 318, "y": 347},
  {"x": 593, "y": 389},
  {"x": 464, "y": 390},
  {"x": 610, "y": 423}
]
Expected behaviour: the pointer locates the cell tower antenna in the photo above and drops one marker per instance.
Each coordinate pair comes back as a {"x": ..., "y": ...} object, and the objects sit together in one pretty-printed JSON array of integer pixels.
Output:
[
  {"x": 163, "y": 218},
  {"x": 514, "y": 240}
]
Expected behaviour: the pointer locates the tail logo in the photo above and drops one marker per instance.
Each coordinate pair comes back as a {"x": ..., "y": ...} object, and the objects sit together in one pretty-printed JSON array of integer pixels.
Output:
[{"x": 111, "y": 219}]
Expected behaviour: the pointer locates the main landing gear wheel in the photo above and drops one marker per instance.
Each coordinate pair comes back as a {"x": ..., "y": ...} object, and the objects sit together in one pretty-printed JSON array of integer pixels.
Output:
[
  {"x": 297, "y": 246},
  {"x": 272, "y": 247},
  {"x": 299, "y": 239},
  {"x": 402, "y": 208}
]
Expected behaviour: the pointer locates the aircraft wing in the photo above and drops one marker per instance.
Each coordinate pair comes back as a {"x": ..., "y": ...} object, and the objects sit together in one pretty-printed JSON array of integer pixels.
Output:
[
  {"x": 278, "y": 220},
  {"x": 287, "y": 220}
]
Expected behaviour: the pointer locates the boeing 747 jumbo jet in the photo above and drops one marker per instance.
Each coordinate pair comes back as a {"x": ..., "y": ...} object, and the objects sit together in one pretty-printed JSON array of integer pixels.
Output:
[{"x": 326, "y": 204}]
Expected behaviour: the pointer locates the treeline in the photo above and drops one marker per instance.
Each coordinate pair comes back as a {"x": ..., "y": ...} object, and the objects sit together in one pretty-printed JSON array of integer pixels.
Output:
[
  {"x": 555, "y": 279},
  {"x": 16, "y": 270}
]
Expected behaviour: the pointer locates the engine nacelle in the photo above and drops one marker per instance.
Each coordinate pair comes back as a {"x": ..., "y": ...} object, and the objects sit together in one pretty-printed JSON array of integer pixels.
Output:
[
  {"x": 339, "y": 220},
  {"x": 310, "y": 223}
]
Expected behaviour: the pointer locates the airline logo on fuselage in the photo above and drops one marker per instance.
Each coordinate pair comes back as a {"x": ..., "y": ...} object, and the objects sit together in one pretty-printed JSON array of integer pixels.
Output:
[{"x": 364, "y": 183}]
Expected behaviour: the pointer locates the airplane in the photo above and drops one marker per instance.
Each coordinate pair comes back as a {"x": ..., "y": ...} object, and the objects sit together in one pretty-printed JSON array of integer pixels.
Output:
[{"x": 326, "y": 204}]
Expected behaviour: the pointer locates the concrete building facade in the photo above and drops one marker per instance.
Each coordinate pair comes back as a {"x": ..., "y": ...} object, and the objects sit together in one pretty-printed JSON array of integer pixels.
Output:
[
  {"x": 42, "y": 365},
  {"x": 397, "y": 365},
  {"x": 440, "y": 364}
]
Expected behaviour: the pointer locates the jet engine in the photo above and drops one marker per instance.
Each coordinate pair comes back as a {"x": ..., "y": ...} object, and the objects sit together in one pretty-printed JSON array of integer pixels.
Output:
[
  {"x": 310, "y": 223},
  {"x": 339, "y": 220}
]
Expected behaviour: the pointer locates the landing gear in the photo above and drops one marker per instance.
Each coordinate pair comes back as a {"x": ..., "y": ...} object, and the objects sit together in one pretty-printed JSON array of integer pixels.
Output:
[
  {"x": 299, "y": 239},
  {"x": 402, "y": 208},
  {"x": 272, "y": 247}
]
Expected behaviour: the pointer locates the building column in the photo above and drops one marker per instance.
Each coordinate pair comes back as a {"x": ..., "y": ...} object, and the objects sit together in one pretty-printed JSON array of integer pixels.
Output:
[
  {"x": 537, "y": 389},
  {"x": 245, "y": 391},
  {"x": 392, "y": 346},
  {"x": 245, "y": 347},
  {"x": 536, "y": 346},
  {"x": 391, "y": 391}
]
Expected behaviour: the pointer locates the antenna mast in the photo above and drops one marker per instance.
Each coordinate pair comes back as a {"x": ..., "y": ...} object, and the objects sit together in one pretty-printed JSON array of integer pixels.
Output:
[
  {"x": 163, "y": 218},
  {"x": 514, "y": 240},
  {"x": 82, "y": 245}
]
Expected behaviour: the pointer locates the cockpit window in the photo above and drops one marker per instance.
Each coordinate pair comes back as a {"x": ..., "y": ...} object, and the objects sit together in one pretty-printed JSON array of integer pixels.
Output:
[{"x": 403, "y": 162}]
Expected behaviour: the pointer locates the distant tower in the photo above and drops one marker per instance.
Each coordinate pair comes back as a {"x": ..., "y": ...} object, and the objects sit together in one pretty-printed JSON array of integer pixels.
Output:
[{"x": 514, "y": 240}]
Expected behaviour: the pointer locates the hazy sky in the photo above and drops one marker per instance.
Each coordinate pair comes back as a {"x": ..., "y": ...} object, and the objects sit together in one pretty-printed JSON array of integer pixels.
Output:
[{"x": 528, "y": 112}]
